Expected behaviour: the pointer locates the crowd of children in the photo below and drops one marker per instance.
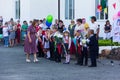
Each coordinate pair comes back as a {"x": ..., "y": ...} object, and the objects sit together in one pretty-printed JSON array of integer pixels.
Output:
[{"x": 58, "y": 41}]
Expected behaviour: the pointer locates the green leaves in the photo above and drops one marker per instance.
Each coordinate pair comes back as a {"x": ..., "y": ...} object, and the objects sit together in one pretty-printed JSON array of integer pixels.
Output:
[{"x": 108, "y": 43}]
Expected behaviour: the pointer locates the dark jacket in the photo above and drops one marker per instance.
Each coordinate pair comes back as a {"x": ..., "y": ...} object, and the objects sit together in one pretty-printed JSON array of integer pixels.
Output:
[
  {"x": 71, "y": 30},
  {"x": 61, "y": 29},
  {"x": 93, "y": 44}
]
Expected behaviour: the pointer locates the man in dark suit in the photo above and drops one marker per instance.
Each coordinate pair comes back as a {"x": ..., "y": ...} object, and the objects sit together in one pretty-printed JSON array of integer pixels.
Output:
[{"x": 93, "y": 45}]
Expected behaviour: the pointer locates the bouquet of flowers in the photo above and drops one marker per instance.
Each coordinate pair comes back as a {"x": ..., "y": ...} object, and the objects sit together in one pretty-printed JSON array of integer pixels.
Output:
[{"x": 58, "y": 37}]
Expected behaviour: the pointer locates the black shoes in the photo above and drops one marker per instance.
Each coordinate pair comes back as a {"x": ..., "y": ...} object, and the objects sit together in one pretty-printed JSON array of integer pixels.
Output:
[
  {"x": 66, "y": 63},
  {"x": 92, "y": 66}
]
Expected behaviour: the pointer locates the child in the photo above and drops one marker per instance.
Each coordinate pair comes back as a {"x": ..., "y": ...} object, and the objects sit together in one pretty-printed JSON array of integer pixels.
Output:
[
  {"x": 67, "y": 45},
  {"x": 52, "y": 47},
  {"x": 79, "y": 48},
  {"x": 6, "y": 35},
  {"x": 46, "y": 44},
  {"x": 93, "y": 45},
  {"x": 58, "y": 44},
  {"x": 84, "y": 52}
]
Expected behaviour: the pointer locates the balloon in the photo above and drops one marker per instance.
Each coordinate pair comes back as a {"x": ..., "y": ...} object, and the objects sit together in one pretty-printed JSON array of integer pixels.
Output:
[
  {"x": 48, "y": 24},
  {"x": 49, "y": 18},
  {"x": 1, "y": 36},
  {"x": 119, "y": 13},
  {"x": 115, "y": 16}
]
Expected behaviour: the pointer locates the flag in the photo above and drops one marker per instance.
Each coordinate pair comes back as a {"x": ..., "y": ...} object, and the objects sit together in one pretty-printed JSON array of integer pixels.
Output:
[
  {"x": 114, "y": 5},
  {"x": 105, "y": 11}
]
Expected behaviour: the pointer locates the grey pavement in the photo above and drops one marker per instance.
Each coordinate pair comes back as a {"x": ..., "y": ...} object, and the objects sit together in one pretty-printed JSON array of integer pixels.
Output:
[{"x": 14, "y": 67}]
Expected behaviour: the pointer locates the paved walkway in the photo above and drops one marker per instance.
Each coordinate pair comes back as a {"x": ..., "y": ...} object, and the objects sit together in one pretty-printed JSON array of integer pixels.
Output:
[{"x": 14, "y": 67}]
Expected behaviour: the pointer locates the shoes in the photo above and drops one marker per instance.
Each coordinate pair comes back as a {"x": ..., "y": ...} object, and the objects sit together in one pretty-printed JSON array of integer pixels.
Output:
[
  {"x": 28, "y": 60},
  {"x": 92, "y": 66},
  {"x": 35, "y": 60},
  {"x": 66, "y": 63}
]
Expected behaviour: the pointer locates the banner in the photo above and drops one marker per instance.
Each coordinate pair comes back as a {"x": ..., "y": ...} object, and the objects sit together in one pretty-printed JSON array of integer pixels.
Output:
[{"x": 116, "y": 30}]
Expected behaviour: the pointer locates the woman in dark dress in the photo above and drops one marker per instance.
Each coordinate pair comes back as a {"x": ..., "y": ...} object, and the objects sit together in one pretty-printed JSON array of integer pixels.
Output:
[
  {"x": 61, "y": 26},
  {"x": 30, "y": 46},
  {"x": 107, "y": 29}
]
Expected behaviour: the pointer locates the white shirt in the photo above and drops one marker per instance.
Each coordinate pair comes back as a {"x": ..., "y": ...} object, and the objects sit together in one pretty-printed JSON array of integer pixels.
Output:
[
  {"x": 67, "y": 40},
  {"x": 81, "y": 27},
  {"x": 94, "y": 26},
  {"x": 41, "y": 25},
  {"x": 5, "y": 31}
]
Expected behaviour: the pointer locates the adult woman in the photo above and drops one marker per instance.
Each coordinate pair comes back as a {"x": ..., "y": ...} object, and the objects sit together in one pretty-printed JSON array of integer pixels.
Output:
[
  {"x": 71, "y": 28},
  {"x": 61, "y": 26},
  {"x": 12, "y": 33},
  {"x": 107, "y": 29},
  {"x": 80, "y": 27},
  {"x": 30, "y": 45},
  {"x": 86, "y": 26},
  {"x": 18, "y": 31}
]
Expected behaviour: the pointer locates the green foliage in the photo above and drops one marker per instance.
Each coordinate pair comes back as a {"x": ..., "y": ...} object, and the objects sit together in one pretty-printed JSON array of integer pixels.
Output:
[{"x": 108, "y": 43}]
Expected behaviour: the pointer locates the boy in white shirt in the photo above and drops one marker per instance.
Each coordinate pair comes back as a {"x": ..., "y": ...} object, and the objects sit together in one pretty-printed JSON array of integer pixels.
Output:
[{"x": 6, "y": 35}]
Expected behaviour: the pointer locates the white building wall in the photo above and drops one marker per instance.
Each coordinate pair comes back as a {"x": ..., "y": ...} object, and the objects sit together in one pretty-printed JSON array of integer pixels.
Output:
[
  {"x": 31, "y": 9},
  {"x": 7, "y": 8},
  {"x": 25, "y": 10},
  {"x": 84, "y": 9},
  {"x": 39, "y": 9}
]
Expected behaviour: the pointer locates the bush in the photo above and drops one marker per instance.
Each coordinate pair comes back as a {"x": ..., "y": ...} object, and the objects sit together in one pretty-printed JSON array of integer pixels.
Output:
[{"x": 108, "y": 43}]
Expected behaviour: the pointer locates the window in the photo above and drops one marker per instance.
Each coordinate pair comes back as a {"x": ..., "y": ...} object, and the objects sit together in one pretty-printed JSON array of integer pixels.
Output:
[
  {"x": 69, "y": 9},
  {"x": 103, "y": 13},
  {"x": 17, "y": 9}
]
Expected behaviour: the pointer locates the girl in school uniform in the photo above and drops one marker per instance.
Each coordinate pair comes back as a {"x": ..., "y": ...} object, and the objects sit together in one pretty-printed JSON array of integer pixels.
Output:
[
  {"x": 66, "y": 46},
  {"x": 46, "y": 44}
]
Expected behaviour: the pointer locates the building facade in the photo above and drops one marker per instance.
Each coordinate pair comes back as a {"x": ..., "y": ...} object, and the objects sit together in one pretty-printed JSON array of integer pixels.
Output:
[{"x": 69, "y": 9}]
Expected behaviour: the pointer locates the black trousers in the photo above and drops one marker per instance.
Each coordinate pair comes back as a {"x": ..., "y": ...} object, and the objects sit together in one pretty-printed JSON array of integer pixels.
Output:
[
  {"x": 93, "y": 56},
  {"x": 57, "y": 56},
  {"x": 85, "y": 56},
  {"x": 79, "y": 59},
  {"x": 52, "y": 54},
  {"x": 40, "y": 50},
  {"x": 79, "y": 56}
]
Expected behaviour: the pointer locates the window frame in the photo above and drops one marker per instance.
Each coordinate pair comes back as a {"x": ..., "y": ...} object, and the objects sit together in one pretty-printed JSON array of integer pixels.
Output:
[
  {"x": 69, "y": 9},
  {"x": 17, "y": 9},
  {"x": 100, "y": 13}
]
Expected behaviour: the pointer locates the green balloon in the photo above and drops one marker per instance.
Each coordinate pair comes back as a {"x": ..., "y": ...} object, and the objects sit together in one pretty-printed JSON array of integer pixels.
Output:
[
  {"x": 49, "y": 18},
  {"x": 1, "y": 36}
]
